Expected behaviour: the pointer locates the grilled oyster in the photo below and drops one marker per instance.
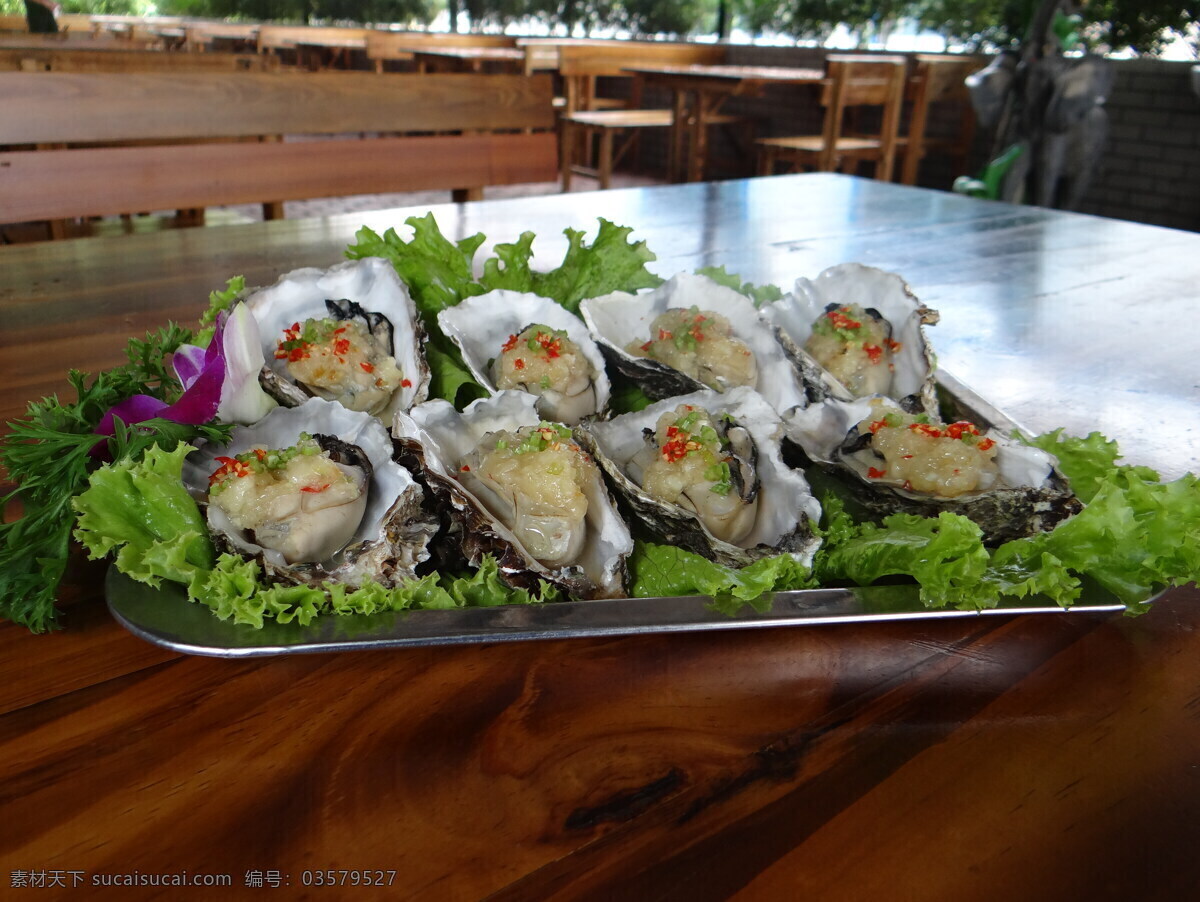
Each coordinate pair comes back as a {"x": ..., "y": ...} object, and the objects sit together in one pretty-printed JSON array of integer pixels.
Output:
[
  {"x": 704, "y": 471},
  {"x": 856, "y": 331},
  {"x": 348, "y": 334},
  {"x": 512, "y": 340},
  {"x": 892, "y": 460},
  {"x": 313, "y": 493},
  {"x": 520, "y": 489},
  {"x": 719, "y": 341}
]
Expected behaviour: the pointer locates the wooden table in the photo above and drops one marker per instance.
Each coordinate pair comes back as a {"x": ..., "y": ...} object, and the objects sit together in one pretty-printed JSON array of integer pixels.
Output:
[
  {"x": 1007, "y": 757},
  {"x": 699, "y": 92},
  {"x": 468, "y": 59}
]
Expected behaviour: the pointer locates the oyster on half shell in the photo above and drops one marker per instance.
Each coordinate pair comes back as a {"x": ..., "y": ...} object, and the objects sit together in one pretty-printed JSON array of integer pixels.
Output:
[
  {"x": 856, "y": 331},
  {"x": 519, "y": 488},
  {"x": 565, "y": 371},
  {"x": 759, "y": 506},
  {"x": 346, "y": 515},
  {"x": 893, "y": 461},
  {"x": 620, "y": 320},
  {"x": 348, "y": 334}
]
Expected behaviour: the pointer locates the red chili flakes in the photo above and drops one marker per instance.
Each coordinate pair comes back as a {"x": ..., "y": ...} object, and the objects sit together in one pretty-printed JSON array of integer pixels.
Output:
[
  {"x": 230, "y": 466},
  {"x": 926, "y": 429},
  {"x": 366, "y": 367},
  {"x": 406, "y": 383},
  {"x": 961, "y": 428},
  {"x": 894, "y": 345},
  {"x": 314, "y": 489},
  {"x": 293, "y": 347},
  {"x": 465, "y": 468},
  {"x": 876, "y": 474},
  {"x": 260, "y": 453},
  {"x": 841, "y": 321},
  {"x": 877, "y": 425},
  {"x": 874, "y": 353},
  {"x": 986, "y": 445},
  {"x": 551, "y": 345},
  {"x": 519, "y": 364},
  {"x": 665, "y": 335},
  {"x": 675, "y": 450},
  {"x": 647, "y": 346},
  {"x": 510, "y": 344}
]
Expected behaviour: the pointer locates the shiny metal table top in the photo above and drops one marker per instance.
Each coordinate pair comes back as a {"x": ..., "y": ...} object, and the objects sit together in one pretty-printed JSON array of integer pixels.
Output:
[{"x": 1059, "y": 319}]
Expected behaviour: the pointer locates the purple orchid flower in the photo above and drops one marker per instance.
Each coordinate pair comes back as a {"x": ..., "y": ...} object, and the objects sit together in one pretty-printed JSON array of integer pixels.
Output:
[{"x": 219, "y": 381}]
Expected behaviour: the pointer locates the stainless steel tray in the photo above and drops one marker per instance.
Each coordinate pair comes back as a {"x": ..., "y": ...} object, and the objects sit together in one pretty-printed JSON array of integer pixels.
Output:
[{"x": 165, "y": 616}]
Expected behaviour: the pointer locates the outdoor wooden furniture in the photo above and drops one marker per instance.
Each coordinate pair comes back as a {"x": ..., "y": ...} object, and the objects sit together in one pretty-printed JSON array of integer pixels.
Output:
[
  {"x": 84, "y": 60},
  {"x": 937, "y": 79},
  {"x": 482, "y": 130},
  {"x": 586, "y": 113},
  {"x": 582, "y": 63},
  {"x": 290, "y": 40},
  {"x": 68, "y": 40},
  {"x": 204, "y": 36},
  {"x": 986, "y": 758},
  {"x": 383, "y": 47},
  {"x": 853, "y": 81},
  {"x": 576, "y": 128},
  {"x": 700, "y": 91},
  {"x": 13, "y": 22},
  {"x": 468, "y": 59}
]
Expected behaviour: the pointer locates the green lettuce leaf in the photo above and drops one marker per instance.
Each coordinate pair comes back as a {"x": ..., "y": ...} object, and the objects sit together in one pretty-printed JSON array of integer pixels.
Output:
[
  {"x": 759, "y": 294},
  {"x": 218, "y": 301},
  {"x": 610, "y": 263},
  {"x": 1086, "y": 462},
  {"x": 235, "y": 589},
  {"x": 944, "y": 554},
  {"x": 663, "y": 570},
  {"x": 141, "y": 510},
  {"x": 438, "y": 272}
]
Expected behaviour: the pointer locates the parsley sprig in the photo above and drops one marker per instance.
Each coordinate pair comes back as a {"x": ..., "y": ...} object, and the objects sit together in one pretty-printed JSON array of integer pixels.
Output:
[{"x": 48, "y": 454}]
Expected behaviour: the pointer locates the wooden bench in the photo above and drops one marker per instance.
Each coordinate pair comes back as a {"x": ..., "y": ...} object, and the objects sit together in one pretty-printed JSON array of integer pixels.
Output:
[
  {"x": 83, "y": 60},
  {"x": 344, "y": 133}
]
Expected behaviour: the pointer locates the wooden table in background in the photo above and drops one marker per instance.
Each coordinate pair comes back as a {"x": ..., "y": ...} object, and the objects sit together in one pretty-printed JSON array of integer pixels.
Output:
[
  {"x": 699, "y": 92},
  {"x": 999, "y": 758},
  {"x": 468, "y": 59}
]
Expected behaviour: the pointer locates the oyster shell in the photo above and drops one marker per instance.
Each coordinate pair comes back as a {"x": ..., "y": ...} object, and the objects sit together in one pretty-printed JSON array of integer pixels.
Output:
[
  {"x": 444, "y": 442},
  {"x": 366, "y": 292},
  {"x": 481, "y": 325},
  {"x": 900, "y": 365},
  {"x": 620, "y": 319},
  {"x": 1012, "y": 490},
  {"x": 389, "y": 533},
  {"x": 785, "y": 507}
]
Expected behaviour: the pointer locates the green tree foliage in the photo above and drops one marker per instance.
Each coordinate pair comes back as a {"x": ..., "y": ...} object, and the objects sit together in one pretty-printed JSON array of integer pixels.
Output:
[
  {"x": 673, "y": 17},
  {"x": 1109, "y": 25}
]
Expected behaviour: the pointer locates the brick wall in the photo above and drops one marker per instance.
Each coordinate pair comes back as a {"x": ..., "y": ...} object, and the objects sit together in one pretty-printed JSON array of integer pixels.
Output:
[{"x": 1149, "y": 171}]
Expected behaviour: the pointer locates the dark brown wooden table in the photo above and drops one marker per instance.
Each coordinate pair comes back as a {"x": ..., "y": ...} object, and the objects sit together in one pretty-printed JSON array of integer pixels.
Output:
[{"x": 997, "y": 758}]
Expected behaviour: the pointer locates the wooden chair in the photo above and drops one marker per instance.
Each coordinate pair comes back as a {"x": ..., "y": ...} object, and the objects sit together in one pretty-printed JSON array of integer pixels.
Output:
[
  {"x": 586, "y": 114},
  {"x": 852, "y": 82},
  {"x": 937, "y": 79}
]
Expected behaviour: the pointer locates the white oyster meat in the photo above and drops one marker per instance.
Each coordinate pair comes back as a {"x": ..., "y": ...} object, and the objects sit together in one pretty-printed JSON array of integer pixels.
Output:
[{"x": 348, "y": 334}]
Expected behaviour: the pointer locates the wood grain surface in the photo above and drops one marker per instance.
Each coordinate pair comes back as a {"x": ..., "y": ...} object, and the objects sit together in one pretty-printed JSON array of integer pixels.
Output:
[
  {"x": 1036, "y": 757},
  {"x": 63, "y": 106}
]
